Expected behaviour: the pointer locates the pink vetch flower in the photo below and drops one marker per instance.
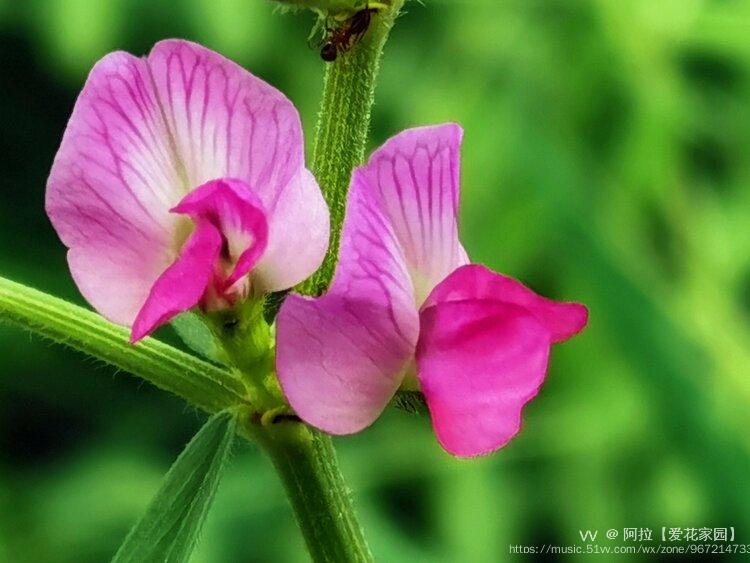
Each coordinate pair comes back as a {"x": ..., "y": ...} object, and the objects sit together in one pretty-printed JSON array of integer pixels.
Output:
[
  {"x": 405, "y": 301},
  {"x": 181, "y": 182}
]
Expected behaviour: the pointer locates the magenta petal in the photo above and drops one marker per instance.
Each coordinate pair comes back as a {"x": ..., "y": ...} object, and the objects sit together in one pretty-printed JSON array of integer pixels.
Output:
[
  {"x": 415, "y": 175},
  {"x": 563, "y": 320},
  {"x": 233, "y": 209},
  {"x": 478, "y": 364},
  {"x": 182, "y": 285},
  {"x": 340, "y": 358}
]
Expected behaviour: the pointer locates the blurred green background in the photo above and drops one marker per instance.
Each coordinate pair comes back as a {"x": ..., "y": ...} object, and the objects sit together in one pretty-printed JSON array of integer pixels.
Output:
[{"x": 605, "y": 160}]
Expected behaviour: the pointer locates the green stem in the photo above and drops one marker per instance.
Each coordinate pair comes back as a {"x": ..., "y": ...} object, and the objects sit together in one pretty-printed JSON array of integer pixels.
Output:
[
  {"x": 247, "y": 342},
  {"x": 304, "y": 458},
  {"x": 306, "y": 463},
  {"x": 200, "y": 383},
  {"x": 343, "y": 123}
]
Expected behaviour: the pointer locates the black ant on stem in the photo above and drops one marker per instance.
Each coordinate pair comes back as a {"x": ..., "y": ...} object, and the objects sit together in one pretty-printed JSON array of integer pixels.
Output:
[{"x": 350, "y": 31}]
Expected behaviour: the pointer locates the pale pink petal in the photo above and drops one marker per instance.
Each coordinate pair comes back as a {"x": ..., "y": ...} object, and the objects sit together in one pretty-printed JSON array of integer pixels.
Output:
[
  {"x": 298, "y": 237},
  {"x": 340, "y": 358},
  {"x": 228, "y": 123},
  {"x": 94, "y": 268},
  {"x": 564, "y": 320},
  {"x": 112, "y": 183},
  {"x": 416, "y": 178},
  {"x": 183, "y": 284},
  {"x": 146, "y": 132},
  {"x": 478, "y": 364},
  {"x": 238, "y": 215}
]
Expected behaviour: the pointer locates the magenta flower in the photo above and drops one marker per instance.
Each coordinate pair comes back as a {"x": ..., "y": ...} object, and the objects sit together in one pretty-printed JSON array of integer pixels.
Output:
[
  {"x": 406, "y": 308},
  {"x": 180, "y": 182}
]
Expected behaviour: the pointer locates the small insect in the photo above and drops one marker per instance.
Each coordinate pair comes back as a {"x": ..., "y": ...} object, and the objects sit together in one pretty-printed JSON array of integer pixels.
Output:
[{"x": 342, "y": 38}]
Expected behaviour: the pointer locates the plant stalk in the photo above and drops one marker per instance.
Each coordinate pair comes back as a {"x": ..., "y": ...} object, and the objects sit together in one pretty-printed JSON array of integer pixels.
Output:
[
  {"x": 200, "y": 383},
  {"x": 305, "y": 458},
  {"x": 306, "y": 463},
  {"x": 343, "y": 124}
]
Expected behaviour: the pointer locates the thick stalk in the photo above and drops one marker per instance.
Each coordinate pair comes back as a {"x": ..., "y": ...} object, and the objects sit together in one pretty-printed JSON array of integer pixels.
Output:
[
  {"x": 200, "y": 383},
  {"x": 306, "y": 463},
  {"x": 305, "y": 458},
  {"x": 343, "y": 123}
]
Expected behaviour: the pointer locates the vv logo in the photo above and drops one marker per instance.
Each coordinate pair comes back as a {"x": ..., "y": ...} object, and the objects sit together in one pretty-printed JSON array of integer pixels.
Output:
[{"x": 588, "y": 535}]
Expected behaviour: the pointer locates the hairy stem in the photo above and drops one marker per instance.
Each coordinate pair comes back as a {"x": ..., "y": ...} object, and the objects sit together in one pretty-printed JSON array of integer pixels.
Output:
[
  {"x": 343, "y": 123},
  {"x": 200, "y": 383},
  {"x": 306, "y": 463},
  {"x": 303, "y": 457}
]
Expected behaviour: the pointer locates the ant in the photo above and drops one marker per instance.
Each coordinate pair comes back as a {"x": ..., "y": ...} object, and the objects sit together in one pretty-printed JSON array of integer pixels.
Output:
[{"x": 352, "y": 29}]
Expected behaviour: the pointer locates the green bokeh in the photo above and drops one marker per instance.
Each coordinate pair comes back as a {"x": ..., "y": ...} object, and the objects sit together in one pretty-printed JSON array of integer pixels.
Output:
[{"x": 605, "y": 160}]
